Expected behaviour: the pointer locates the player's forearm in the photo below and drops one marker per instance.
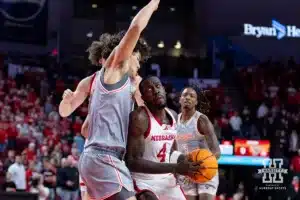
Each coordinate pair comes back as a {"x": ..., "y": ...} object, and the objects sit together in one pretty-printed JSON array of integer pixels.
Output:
[
  {"x": 216, "y": 151},
  {"x": 150, "y": 167},
  {"x": 217, "y": 154},
  {"x": 65, "y": 108},
  {"x": 214, "y": 147},
  {"x": 142, "y": 18}
]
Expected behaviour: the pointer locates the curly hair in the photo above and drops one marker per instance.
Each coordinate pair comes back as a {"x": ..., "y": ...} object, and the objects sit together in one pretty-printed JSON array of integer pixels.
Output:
[
  {"x": 103, "y": 47},
  {"x": 203, "y": 105}
]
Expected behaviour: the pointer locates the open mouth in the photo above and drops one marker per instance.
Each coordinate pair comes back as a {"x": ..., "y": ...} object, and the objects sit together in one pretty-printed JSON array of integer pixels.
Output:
[{"x": 159, "y": 98}]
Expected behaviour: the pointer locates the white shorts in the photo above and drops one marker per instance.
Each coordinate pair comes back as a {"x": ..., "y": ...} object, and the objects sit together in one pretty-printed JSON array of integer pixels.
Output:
[
  {"x": 165, "y": 188},
  {"x": 192, "y": 189},
  {"x": 82, "y": 185}
]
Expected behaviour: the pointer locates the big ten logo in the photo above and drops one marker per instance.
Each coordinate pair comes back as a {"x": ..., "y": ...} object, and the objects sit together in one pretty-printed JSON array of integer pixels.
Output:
[{"x": 272, "y": 171}]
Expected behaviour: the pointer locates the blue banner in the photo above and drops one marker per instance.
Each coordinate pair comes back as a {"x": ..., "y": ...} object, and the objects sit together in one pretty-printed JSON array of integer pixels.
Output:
[
  {"x": 243, "y": 160},
  {"x": 24, "y": 21}
]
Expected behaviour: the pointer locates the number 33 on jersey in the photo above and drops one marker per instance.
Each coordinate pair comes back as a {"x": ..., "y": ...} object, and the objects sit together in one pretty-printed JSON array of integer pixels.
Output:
[{"x": 159, "y": 139}]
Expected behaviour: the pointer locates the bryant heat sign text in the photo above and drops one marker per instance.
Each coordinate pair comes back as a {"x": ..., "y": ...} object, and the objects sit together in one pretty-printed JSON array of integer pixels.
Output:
[{"x": 277, "y": 30}]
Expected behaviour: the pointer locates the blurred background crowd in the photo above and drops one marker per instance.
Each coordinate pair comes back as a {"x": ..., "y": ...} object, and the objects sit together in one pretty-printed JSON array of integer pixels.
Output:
[{"x": 252, "y": 85}]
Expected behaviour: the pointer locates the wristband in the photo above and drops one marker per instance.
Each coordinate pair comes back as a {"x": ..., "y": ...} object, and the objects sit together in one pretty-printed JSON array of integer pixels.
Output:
[{"x": 174, "y": 156}]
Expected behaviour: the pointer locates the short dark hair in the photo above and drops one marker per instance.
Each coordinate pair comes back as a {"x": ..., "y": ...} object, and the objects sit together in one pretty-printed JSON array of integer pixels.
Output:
[
  {"x": 103, "y": 47},
  {"x": 143, "y": 81},
  {"x": 203, "y": 105}
]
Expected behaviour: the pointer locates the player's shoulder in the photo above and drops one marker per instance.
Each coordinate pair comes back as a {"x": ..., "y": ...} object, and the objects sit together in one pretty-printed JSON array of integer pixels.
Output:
[
  {"x": 174, "y": 113},
  {"x": 86, "y": 82},
  {"x": 202, "y": 118},
  {"x": 90, "y": 77},
  {"x": 139, "y": 114}
]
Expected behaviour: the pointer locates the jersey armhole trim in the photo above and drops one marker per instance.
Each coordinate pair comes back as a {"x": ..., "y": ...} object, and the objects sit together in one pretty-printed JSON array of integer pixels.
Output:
[
  {"x": 178, "y": 118},
  {"x": 92, "y": 82},
  {"x": 171, "y": 114},
  {"x": 200, "y": 134},
  {"x": 147, "y": 133}
]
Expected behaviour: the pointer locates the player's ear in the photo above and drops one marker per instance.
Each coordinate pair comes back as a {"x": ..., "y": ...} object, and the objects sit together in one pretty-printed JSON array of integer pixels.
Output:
[{"x": 196, "y": 103}]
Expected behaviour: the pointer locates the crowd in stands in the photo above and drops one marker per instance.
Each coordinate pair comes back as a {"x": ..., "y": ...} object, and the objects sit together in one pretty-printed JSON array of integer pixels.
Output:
[{"x": 39, "y": 149}]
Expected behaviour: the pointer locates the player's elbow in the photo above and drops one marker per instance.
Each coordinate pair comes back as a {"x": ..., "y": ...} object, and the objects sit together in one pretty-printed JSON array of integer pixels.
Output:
[
  {"x": 62, "y": 113},
  {"x": 63, "y": 110}
]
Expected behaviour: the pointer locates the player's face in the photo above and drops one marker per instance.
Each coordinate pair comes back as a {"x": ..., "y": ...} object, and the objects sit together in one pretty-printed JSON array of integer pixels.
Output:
[
  {"x": 188, "y": 98},
  {"x": 134, "y": 64},
  {"x": 154, "y": 93}
]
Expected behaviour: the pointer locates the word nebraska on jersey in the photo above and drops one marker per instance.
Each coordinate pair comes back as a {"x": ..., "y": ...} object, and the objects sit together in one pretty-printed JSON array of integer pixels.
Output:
[{"x": 162, "y": 137}]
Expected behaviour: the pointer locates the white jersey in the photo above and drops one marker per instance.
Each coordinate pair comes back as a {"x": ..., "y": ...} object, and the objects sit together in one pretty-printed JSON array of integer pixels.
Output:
[
  {"x": 159, "y": 139},
  {"x": 189, "y": 139}
]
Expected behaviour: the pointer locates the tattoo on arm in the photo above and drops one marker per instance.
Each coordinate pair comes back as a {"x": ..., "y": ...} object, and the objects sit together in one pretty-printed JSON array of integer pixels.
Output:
[{"x": 206, "y": 128}]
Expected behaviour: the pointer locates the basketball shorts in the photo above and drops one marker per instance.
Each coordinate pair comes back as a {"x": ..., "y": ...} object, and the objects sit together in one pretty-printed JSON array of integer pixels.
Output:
[
  {"x": 193, "y": 189},
  {"x": 104, "y": 174},
  {"x": 82, "y": 185},
  {"x": 165, "y": 188}
]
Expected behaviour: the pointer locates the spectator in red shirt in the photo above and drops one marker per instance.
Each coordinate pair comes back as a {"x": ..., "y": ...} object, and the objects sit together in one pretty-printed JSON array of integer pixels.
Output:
[
  {"x": 297, "y": 96},
  {"x": 77, "y": 125},
  {"x": 12, "y": 135},
  {"x": 30, "y": 152},
  {"x": 31, "y": 96},
  {"x": 3, "y": 140},
  {"x": 295, "y": 163},
  {"x": 60, "y": 86},
  {"x": 31, "y": 169}
]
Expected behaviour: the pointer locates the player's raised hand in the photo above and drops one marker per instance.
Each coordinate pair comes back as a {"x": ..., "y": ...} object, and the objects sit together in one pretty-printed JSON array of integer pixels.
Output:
[
  {"x": 67, "y": 95},
  {"x": 156, "y": 3},
  {"x": 187, "y": 167}
]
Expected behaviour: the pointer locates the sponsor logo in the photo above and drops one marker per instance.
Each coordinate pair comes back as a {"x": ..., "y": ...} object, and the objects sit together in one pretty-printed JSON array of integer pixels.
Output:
[
  {"x": 272, "y": 174},
  {"x": 276, "y": 29}
]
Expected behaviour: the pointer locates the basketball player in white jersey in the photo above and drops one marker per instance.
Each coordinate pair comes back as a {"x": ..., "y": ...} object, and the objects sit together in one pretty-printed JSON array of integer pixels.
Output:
[
  {"x": 196, "y": 131},
  {"x": 152, "y": 132},
  {"x": 101, "y": 164}
]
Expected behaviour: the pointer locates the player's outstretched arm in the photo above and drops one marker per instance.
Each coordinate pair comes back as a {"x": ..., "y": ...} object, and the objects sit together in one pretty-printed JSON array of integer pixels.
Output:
[
  {"x": 138, "y": 126},
  {"x": 72, "y": 100},
  {"x": 206, "y": 128},
  {"x": 125, "y": 49}
]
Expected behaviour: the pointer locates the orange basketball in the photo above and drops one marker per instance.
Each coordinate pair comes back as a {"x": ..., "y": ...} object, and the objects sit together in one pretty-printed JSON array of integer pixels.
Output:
[{"x": 209, "y": 162}]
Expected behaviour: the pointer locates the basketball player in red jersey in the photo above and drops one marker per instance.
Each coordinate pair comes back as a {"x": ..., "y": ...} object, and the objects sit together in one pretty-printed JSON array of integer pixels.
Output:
[
  {"x": 195, "y": 131},
  {"x": 152, "y": 132}
]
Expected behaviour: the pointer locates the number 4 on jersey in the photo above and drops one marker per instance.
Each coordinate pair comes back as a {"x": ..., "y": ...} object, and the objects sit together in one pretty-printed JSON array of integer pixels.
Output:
[{"x": 162, "y": 153}]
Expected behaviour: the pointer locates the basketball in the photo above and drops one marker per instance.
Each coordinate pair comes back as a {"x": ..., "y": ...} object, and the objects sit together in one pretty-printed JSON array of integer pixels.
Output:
[{"x": 209, "y": 162}]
